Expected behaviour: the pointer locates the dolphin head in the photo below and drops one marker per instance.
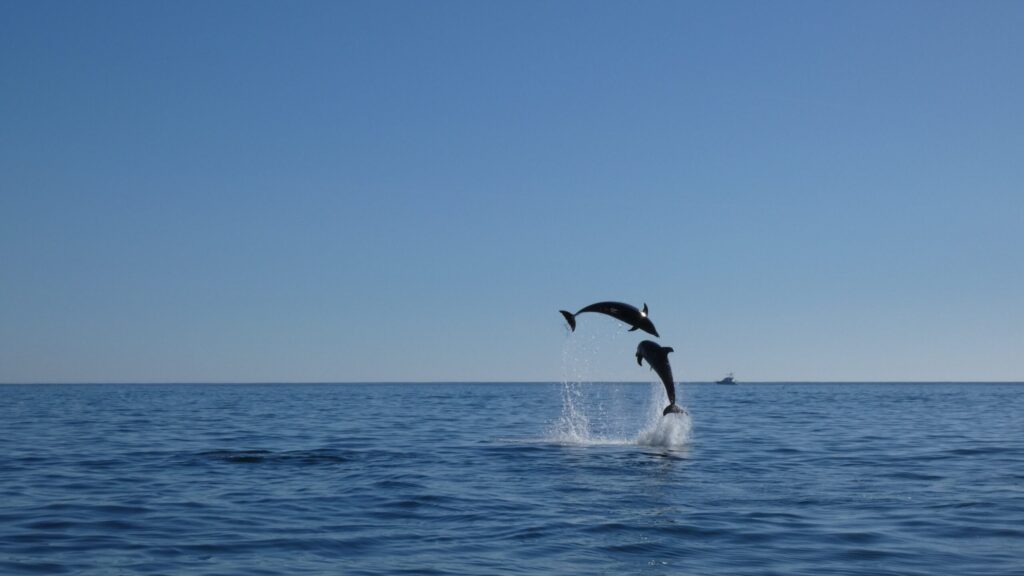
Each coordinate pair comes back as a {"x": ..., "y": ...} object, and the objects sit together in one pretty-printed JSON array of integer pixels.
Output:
[
  {"x": 646, "y": 325},
  {"x": 644, "y": 322},
  {"x": 647, "y": 350}
]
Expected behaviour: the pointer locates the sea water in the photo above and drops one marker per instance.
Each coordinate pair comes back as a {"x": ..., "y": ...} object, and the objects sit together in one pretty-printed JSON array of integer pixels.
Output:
[{"x": 562, "y": 478}]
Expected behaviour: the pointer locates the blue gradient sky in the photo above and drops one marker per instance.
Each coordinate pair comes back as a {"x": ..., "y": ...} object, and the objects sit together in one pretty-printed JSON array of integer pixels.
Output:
[{"x": 248, "y": 191}]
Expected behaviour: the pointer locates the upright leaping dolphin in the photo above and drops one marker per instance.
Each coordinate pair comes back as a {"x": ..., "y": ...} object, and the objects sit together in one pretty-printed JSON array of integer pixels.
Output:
[
  {"x": 629, "y": 314},
  {"x": 657, "y": 358}
]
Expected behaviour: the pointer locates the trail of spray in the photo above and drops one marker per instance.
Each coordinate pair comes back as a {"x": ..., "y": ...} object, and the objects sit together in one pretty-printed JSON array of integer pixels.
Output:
[{"x": 573, "y": 426}]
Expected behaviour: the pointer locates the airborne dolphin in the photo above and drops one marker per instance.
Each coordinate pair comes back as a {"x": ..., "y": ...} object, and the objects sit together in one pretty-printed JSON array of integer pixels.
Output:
[
  {"x": 629, "y": 314},
  {"x": 657, "y": 358}
]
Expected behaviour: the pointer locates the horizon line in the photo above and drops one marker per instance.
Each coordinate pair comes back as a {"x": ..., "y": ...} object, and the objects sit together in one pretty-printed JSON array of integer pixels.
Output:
[{"x": 365, "y": 382}]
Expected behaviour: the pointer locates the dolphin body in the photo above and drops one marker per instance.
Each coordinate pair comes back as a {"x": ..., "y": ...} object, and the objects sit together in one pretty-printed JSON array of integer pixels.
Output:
[
  {"x": 657, "y": 358},
  {"x": 629, "y": 314}
]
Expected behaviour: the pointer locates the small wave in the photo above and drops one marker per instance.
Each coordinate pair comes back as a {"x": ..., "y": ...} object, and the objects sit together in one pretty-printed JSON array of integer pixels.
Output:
[
  {"x": 236, "y": 456},
  {"x": 266, "y": 456}
]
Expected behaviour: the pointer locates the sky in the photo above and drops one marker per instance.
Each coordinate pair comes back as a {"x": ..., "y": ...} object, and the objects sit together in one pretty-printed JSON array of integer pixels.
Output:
[{"x": 410, "y": 191}]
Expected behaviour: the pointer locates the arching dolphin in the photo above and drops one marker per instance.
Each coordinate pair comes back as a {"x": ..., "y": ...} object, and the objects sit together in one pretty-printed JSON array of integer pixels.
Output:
[
  {"x": 657, "y": 358},
  {"x": 629, "y": 314}
]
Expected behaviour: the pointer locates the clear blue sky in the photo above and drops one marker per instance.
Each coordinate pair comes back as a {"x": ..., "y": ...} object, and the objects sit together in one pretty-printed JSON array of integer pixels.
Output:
[{"x": 367, "y": 191}]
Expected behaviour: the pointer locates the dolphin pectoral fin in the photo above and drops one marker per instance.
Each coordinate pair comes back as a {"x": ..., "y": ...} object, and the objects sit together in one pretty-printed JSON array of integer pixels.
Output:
[
  {"x": 634, "y": 328},
  {"x": 639, "y": 359},
  {"x": 570, "y": 318}
]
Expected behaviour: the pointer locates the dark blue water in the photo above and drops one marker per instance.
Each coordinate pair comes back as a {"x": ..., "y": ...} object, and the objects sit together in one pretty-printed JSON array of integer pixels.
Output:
[{"x": 511, "y": 479}]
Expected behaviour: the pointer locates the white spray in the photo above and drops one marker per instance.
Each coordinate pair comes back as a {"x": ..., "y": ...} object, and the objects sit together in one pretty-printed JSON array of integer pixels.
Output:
[{"x": 574, "y": 424}]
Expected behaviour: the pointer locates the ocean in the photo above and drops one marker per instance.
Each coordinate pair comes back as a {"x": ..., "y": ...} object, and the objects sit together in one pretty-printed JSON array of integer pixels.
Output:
[{"x": 477, "y": 479}]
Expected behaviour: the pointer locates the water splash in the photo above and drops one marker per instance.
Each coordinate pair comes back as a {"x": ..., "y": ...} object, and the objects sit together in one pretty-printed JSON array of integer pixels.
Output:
[
  {"x": 573, "y": 426},
  {"x": 585, "y": 421},
  {"x": 668, "y": 431}
]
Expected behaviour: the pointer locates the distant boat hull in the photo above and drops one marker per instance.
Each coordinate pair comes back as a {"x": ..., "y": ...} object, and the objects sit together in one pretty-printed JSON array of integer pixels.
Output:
[{"x": 728, "y": 380}]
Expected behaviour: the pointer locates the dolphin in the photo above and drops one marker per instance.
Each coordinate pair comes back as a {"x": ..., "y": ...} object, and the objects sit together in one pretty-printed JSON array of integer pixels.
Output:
[
  {"x": 657, "y": 358},
  {"x": 629, "y": 314}
]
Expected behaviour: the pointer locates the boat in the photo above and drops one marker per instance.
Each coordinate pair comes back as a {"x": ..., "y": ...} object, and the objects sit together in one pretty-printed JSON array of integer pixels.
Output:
[{"x": 727, "y": 380}]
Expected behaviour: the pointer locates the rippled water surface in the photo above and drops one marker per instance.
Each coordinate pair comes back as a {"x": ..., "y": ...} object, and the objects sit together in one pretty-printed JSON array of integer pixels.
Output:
[{"x": 512, "y": 479}]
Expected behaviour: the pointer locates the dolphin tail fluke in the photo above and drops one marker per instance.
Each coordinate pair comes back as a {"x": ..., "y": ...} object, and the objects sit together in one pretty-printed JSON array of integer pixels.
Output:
[
  {"x": 673, "y": 409},
  {"x": 570, "y": 318}
]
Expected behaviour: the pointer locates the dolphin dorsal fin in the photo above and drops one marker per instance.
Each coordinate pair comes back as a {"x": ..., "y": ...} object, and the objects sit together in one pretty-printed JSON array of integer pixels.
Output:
[
  {"x": 644, "y": 311},
  {"x": 668, "y": 349}
]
